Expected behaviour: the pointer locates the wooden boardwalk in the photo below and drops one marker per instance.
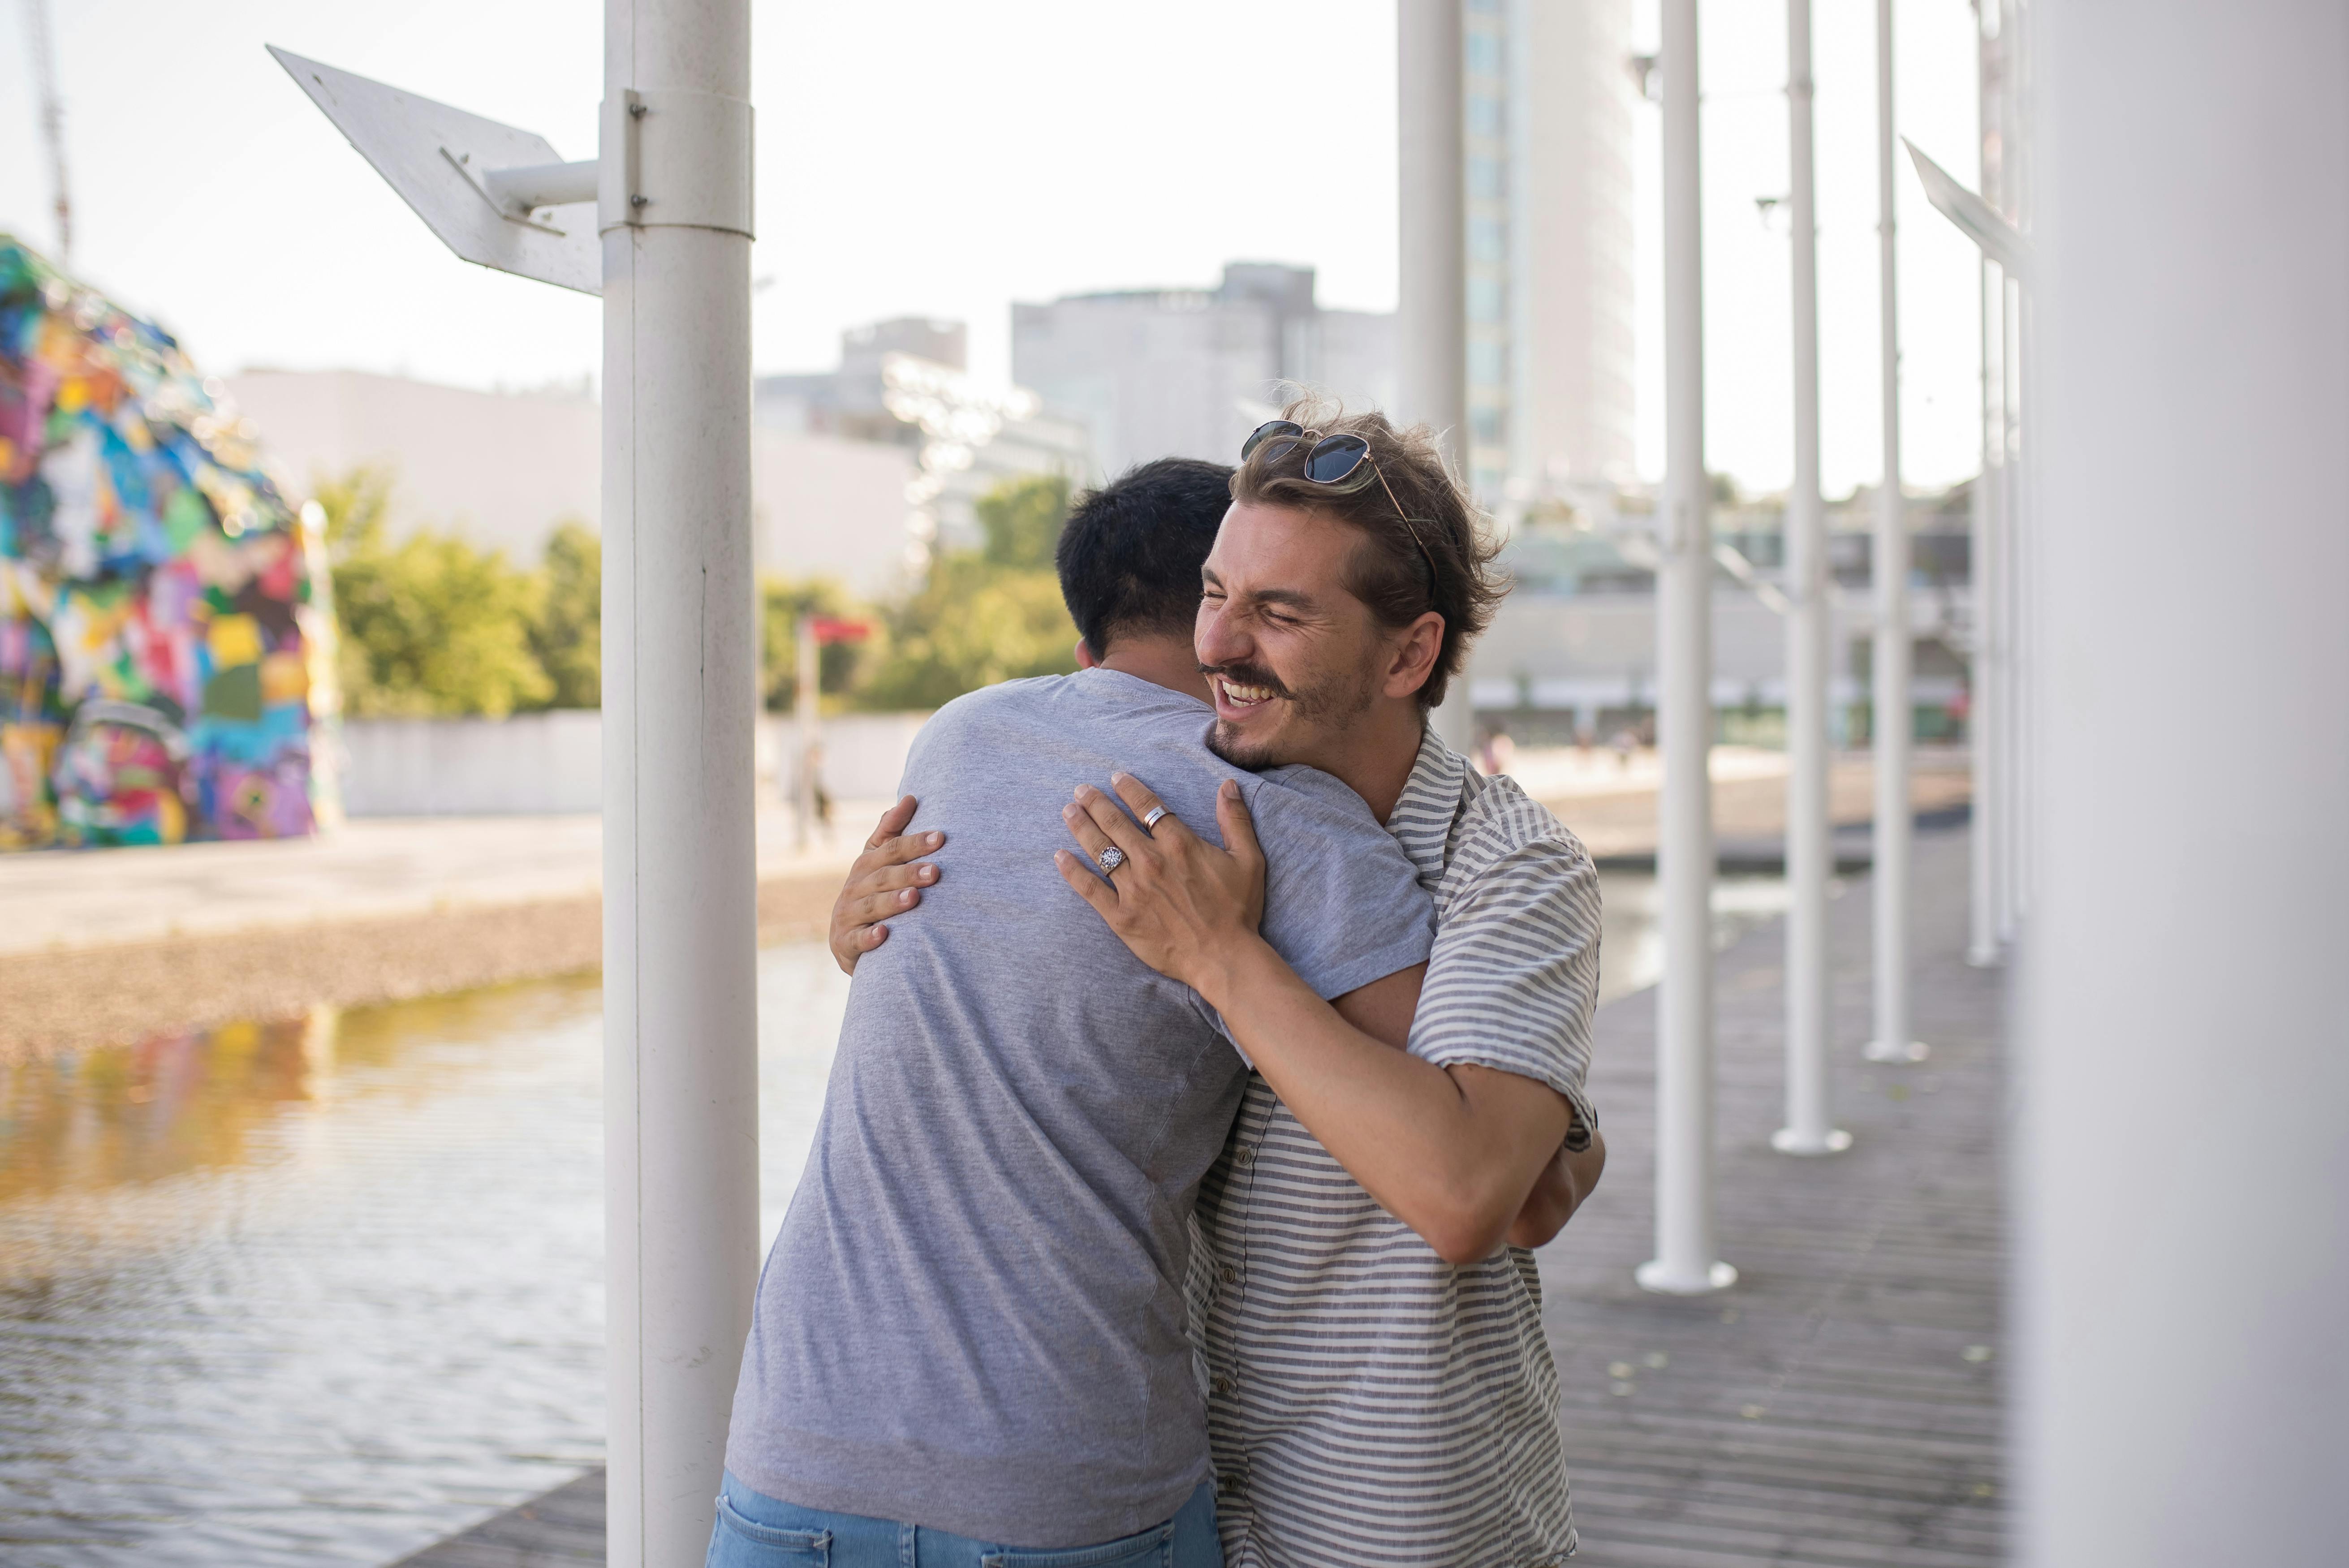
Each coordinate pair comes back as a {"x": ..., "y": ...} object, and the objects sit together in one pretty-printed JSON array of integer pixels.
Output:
[{"x": 1839, "y": 1406}]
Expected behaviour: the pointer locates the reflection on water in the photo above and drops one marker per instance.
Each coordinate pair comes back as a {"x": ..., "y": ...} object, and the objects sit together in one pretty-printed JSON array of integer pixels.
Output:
[{"x": 324, "y": 1292}]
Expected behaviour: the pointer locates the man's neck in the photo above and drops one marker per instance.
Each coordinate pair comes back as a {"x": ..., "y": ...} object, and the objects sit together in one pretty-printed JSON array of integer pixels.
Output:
[
  {"x": 1375, "y": 757},
  {"x": 1162, "y": 661}
]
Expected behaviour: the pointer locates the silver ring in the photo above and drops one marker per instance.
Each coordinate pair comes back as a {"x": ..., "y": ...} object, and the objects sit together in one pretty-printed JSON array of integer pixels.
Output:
[
  {"x": 1111, "y": 859},
  {"x": 1150, "y": 818}
]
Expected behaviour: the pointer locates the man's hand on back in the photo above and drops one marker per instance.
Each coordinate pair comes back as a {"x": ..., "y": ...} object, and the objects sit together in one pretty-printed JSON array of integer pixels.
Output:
[{"x": 886, "y": 880}]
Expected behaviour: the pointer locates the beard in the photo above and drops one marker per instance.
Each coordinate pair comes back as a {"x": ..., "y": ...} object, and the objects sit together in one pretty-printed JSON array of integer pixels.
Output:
[{"x": 1315, "y": 710}]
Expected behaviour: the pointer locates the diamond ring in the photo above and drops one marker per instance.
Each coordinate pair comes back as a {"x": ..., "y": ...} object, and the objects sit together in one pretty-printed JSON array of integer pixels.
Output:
[
  {"x": 1111, "y": 859},
  {"x": 1150, "y": 818}
]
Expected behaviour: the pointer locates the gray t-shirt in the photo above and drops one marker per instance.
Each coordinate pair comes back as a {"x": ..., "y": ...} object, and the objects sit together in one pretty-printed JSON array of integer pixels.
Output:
[{"x": 973, "y": 1317}]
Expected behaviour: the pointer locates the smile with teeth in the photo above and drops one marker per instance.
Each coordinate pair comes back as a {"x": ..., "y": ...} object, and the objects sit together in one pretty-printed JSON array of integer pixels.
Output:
[{"x": 1240, "y": 696}]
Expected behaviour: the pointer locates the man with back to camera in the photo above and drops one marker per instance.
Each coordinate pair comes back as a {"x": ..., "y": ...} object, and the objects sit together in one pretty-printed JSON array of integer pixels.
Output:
[
  {"x": 1377, "y": 1395},
  {"x": 969, "y": 1341}
]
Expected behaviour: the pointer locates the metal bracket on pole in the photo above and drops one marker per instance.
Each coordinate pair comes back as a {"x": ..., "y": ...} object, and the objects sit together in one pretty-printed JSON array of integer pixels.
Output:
[
  {"x": 655, "y": 172},
  {"x": 477, "y": 184},
  {"x": 2001, "y": 241}
]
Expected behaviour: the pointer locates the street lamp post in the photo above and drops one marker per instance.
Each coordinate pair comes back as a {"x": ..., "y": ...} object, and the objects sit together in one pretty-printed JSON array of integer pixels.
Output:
[
  {"x": 1432, "y": 320},
  {"x": 1810, "y": 1124},
  {"x": 1685, "y": 1263},
  {"x": 1894, "y": 1038},
  {"x": 667, "y": 244}
]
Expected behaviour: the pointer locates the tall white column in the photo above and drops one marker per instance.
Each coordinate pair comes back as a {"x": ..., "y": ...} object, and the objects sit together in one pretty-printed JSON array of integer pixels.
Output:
[
  {"x": 1685, "y": 1263},
  {"x": 2182, "y": 1386},
  {"x": 1810, "y": 1123},
  {"x": 681, "y": 1135},
  {"x": 1893, "y": 1040},
  {"x": 1432, "y": 317},
  {"x": 1986, "y": 837}
]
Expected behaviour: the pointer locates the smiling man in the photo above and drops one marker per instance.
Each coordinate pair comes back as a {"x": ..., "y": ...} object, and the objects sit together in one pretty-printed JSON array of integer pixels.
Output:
[{"x": 1381, "y": 1387}]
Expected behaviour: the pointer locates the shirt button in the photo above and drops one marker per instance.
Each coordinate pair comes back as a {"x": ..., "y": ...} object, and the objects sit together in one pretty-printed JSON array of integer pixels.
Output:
[
  {"x": 1228, "y": 1275},
  {"x": 1246, "y": 1155},
  {"x": 1220, "y": 1384}
]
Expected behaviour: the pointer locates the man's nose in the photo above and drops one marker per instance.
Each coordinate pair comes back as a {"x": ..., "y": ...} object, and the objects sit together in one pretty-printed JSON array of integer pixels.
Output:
[{"x": 1217, "y": 638}]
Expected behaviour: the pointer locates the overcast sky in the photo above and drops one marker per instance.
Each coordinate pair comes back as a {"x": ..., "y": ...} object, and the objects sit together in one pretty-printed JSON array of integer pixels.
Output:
[{"x": 940, "y": 157}]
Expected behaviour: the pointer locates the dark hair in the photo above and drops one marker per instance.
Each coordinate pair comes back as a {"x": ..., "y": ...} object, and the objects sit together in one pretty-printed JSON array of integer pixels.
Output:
[
  {"x": 1131, "y": 551},
  {"x": 1435, "y": 554}
]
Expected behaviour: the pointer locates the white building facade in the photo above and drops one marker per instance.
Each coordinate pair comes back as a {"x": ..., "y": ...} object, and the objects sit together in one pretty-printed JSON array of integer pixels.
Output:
[
  {"x": 1188, "y": 373},
  {"x": 503, "y": 470},
  {"x": 1549, "y": 103}
]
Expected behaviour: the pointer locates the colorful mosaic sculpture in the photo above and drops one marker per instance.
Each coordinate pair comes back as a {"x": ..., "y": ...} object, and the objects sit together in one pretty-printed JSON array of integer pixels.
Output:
[{"x": 163, "y": 638}]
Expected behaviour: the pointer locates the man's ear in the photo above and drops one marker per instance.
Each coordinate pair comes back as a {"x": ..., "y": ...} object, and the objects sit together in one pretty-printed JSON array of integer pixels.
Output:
[
  {"x": 1085, "y": 660},
  {"x": 1415, "y": 650}
]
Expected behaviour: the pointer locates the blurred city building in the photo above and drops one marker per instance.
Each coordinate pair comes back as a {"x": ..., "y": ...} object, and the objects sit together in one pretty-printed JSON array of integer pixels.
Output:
[
  {"x": 903, "y": 384},
  {"x": 1157, "y": 372},
  {"x": 1188, "y": 372},
  {"x": 503, "y": 470},
  {"x": 1548, "y": 146},
  {"x": 1573, "y": 648}
]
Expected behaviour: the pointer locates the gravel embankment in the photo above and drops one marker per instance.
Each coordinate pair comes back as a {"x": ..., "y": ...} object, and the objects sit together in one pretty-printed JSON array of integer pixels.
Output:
[{"x": 72, "y": 998}]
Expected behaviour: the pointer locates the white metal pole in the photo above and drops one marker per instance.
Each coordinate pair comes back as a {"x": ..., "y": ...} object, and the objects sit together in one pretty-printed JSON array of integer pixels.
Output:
[
  {"x": 2185, "y": 407},
  {"x": 681, "y": 1133},
  {"x": 1685, "y": 1263},
  {"x": 1431, "y": 326},
  {"x": 1810, "y": 1124},
  {"x": 2021, "y": 553},
  {"x": 805, "y": 779},
  {"x": 2005, "y": 555},
  {"x": 1985, "y": 839},
  {"x": 1894, "y": 1038}
]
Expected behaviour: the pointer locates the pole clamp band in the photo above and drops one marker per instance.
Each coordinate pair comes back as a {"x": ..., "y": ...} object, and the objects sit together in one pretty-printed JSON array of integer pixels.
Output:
[{"x": 674, "y": 158}]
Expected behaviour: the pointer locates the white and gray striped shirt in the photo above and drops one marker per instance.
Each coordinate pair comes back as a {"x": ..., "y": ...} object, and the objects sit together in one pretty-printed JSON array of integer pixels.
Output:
[{"x": 1368, "y": 1402}]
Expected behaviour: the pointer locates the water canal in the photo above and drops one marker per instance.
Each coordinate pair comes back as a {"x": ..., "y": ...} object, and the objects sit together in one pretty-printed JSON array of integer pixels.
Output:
[{"x": 323, "y": 1291}]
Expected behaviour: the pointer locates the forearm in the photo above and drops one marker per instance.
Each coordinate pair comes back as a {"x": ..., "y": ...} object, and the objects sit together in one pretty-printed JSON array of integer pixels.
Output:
[
  {"x": 1560, "y": 1190},
  {"x": 1453, "y": 1154}
]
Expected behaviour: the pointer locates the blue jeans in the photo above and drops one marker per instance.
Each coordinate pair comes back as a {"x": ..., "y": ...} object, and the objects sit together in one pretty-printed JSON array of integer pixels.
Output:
[{"x": 755, "y": 1531}]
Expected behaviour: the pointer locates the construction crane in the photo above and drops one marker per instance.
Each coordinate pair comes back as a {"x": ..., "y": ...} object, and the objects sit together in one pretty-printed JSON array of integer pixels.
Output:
[{"x": 53, "y": 121}]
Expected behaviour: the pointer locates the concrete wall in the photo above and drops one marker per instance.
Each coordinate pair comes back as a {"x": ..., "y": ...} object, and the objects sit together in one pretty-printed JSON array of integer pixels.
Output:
[
  {"x": 825, "y": 507},
  {"x": 551, "y": 763},
  {"x": 503, "y": 469},
  {"x": 500, "y": 469}
]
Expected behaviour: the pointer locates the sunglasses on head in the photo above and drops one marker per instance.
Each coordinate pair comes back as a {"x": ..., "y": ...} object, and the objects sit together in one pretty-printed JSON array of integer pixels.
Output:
[{"x": 1340, "y": 463}]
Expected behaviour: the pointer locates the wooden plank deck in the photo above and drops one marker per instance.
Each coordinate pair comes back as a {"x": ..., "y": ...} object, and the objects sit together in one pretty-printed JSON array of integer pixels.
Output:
[
  {"x": 561, "y": 1530},
  {"x": 1839, "y": 1407}
]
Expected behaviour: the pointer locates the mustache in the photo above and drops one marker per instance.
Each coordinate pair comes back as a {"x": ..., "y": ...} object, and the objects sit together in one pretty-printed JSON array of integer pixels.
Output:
[{"x": 1247, "y": 675}]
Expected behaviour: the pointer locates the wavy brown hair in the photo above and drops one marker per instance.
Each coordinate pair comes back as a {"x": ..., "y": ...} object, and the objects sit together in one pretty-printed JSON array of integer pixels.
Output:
[{"x": 1436, "y": 554}]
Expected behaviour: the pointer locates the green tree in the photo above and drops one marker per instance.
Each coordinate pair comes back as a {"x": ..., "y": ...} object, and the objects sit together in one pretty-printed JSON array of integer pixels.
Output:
[
  {"x": 567, "y": 637},
  {"x": 1021, "y": 520},
  {"x": 840, "y": 667},
  {"x": 432, "y": 625},
  {"x": 983, "y": 615}
]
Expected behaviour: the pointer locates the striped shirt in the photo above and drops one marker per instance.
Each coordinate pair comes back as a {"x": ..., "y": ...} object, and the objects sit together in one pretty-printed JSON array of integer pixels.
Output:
[{"x": 1368, "y": 1402}]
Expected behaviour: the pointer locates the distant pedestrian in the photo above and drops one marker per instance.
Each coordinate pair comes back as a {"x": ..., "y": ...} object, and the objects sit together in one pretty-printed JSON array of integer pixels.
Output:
[{"x": 1498, "y": 752}]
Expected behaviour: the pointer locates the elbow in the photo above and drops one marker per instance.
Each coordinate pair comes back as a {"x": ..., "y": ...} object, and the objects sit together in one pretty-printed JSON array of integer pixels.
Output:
[
  {"x": 1467, "y": 1226},
  {"x": 1463, "y": 1247}
]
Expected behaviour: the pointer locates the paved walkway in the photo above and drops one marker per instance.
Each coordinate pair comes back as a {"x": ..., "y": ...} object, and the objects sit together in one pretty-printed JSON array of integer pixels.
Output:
[
  {"x": 1839, "y": 1407},
  {"x": 369, "y": 869}
]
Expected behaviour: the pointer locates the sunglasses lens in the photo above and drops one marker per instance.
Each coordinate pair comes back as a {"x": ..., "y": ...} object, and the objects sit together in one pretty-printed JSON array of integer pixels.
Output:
[
  {"x": 1265, "y": 433},
  {"x": 1334, "y": 457}
]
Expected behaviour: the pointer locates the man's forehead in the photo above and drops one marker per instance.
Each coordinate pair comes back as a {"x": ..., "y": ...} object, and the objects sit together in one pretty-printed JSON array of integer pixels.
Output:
[{"x": 1256, "y": 545}]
